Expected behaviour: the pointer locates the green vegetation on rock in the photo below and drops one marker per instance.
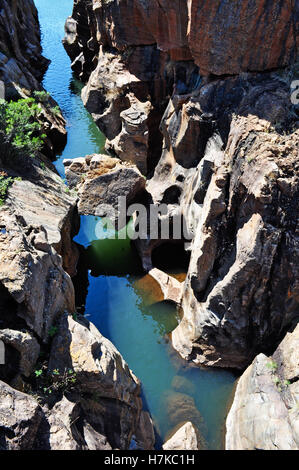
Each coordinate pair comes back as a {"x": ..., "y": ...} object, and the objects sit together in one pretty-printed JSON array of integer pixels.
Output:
[
  {"x": 5, "y": 183},
  {"x": 20, "y": 129}
]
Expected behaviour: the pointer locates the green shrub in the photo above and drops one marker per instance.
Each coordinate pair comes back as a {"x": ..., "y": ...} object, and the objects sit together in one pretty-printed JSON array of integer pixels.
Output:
[
  {"x": 55, "y": 111},
  {"x": 20, "y": 130},
  {"x": 41, "y": 96},
  {"x": 5, "y": 183}
]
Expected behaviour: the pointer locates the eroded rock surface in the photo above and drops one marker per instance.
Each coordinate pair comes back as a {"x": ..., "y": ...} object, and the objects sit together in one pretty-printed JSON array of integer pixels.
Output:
[
  {"x": 220, "y": 150},
  {"x": 241, "y": 292},
  {"x": 100, "y": 180},
  {"x": 264, "y": 414},
  {"x": 22, "y": 66},
  {"x": 20, "y": 416},
  {"x": 99, "y": 406},
  {"x": 184, "y": 439},
  {"x": 21, "y": 62},
  {"x": 110, "y": 392}
]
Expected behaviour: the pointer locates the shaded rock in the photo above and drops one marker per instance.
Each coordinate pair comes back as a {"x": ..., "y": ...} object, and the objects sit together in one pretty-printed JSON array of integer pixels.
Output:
[
  {"x": 183, "y": 439},
  {"x": 21, "y": 62},
  {"x": 36, "y": 231},
  {"x": 20, "y": 416},
  {"x": 188, "y": 31},
  {"x": 22, "y": 67},
  {"x": 79, "y": 40},
  {"x": 109, "y": 390},
  {"x": 27, "y": 346},
  {"x": 35, "y": 279},
  {"x": 101, "y": 180},
  {"x": 264, "y": 414},
  {"x": 144, "y": 435},
  {"x": 62, "y": 424}
]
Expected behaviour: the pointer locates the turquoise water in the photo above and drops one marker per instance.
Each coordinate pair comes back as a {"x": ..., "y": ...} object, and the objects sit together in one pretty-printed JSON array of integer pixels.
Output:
[
  {"x": 125, "y": 306},
  {"x": 111, "y": 289},
  {"x": 84, "y": 137}
]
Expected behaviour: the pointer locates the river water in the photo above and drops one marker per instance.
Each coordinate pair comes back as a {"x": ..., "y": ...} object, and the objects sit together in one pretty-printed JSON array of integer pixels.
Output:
[{"x": 111, "y": 289}]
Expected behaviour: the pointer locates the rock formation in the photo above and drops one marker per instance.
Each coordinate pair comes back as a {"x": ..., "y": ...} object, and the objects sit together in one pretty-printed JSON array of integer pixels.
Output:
[
  {"x": 100, "y": 181},
  {"x": 22, "y": 65},
  {"x": 63, "y": 385},
  {"x": 241, "y": 291},
  {"x": 183, "y": 439},
  {"x": 265, "y": 411},
  {"x": 198, "y": 97},
  {"x": 133, "y": 53},
  {"x": 228, "y": 154}
]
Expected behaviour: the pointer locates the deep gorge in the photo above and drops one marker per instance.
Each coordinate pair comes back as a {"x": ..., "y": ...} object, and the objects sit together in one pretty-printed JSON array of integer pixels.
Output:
[{"x": 156, "y": 109}]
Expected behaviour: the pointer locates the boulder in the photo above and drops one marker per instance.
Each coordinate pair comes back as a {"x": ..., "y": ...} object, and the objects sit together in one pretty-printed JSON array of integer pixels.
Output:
[
  {"x": 264, "y": 414},
  {"x": 20, "y": 417},
  {"x": 101, "y": 180},
  {"x": 183, "y": 439}
]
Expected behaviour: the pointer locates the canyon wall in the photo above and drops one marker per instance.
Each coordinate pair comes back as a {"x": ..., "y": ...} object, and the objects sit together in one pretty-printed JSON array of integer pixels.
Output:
[
  {"x": 221, "y": 152},
  {"x": 62, "y": 384},
  {"x": 197, "y": 95},
  {"x": 21, "y": 62}
]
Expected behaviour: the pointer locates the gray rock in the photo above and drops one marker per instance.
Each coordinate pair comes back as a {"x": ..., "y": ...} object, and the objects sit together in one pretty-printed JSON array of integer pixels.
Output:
[
  {"x": 183, "y": 439},
  {"x": 110, "y": 392},
  {"x": 265, "y": 413},
  {"x": 101, "y": 180},
  {"x": 20, "y": 417}
]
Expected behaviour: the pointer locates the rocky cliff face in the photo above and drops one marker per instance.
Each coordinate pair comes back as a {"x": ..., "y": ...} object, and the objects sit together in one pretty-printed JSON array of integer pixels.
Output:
[
  {"x": 221, "y": 152},
  {"x": 22, "y": 65},
  {"x": 265, "y": 412},
  {"x": 197, "y": 95},
  {"x": 87, "y": 396},
  {"x": 21, "y": 62},
  {"x": 134, "y": 52}
]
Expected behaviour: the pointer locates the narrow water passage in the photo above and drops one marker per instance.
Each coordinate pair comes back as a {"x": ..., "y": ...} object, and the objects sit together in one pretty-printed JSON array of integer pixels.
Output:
[
  {"x": 84, "y": 137},
  {"x": 111, "y": 288}
]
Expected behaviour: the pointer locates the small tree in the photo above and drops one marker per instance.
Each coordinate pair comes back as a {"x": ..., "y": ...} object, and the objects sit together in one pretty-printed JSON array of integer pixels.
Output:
[{"x": 20, "y": 130}]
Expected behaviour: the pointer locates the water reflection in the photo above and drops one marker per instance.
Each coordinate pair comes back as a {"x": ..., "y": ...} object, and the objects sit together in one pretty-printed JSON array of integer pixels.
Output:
[{"x": 127, "y": 307}]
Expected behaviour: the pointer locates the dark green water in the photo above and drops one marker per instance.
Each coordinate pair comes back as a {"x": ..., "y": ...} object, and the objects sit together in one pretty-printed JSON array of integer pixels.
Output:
[{"x": 111, "y": 288}]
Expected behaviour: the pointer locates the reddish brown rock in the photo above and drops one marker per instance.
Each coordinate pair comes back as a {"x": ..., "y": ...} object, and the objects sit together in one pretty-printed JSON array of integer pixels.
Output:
[{"x": 234, "y": 37}]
